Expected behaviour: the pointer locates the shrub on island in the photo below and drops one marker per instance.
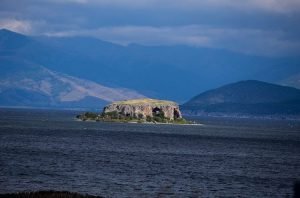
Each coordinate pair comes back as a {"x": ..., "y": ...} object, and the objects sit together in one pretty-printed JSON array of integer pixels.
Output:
[{"x": 117, "y": 117}]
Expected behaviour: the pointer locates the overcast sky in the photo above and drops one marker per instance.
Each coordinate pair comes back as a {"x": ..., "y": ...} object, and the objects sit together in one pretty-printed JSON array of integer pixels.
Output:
[{"x": 260, "y": 27}]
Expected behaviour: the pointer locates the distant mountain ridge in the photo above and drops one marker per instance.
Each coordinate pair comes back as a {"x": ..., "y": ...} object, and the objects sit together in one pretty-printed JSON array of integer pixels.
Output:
[
  {"x": 27, "y": 84},
  {"x": 166, "y": 72},
  {"x": 246, "y": 98}
]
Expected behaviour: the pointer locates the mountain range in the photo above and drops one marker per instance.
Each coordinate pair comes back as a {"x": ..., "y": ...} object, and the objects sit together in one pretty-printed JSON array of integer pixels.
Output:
[
  {"x": 23, "y": 83},
  {"x": 249, "y": 97},
  {"x": 84, "y": 72},
  {"x": 166, "y": 72}
]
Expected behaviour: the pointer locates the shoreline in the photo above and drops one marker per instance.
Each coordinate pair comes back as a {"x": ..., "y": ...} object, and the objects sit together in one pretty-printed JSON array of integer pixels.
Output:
[
  {"x": 161, "y": 123},
  {"x": 134, "y": 122}
]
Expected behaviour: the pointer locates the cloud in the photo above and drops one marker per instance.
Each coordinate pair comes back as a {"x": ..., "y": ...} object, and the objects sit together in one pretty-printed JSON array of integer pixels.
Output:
[
  {"x": 264, "y": 27},
  {"x": 250, "y": 41},
  {"x": 28, "y": 27},
  {"x": 145, "y": 35},
  {"x": 20, "y": 26},
  {"x": 69, "y": 1},
  {"x": 263, "y": 5},
  {"x": 280, "y": 6}
]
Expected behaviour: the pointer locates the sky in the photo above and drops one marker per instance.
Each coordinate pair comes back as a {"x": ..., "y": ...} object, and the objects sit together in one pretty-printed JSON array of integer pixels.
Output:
[{"x": 257, "y": 27}]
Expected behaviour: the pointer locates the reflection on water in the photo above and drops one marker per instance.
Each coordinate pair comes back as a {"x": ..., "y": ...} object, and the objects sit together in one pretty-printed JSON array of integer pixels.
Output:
[{"x": 42, "y": 150}]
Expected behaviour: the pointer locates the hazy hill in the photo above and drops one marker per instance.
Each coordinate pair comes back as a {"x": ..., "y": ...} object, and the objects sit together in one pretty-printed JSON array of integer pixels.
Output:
[
  {"x": 246, "y": 97},
  {"x": 167, "y": 72},
  {"x": 293, "y": 80},
  {"x": 23, "y": 83}
]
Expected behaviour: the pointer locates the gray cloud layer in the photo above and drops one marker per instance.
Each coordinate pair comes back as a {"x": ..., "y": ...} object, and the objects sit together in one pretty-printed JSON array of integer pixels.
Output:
[
  {"x": 268, "y": 5},
  {"x": 263, "y": 27}
]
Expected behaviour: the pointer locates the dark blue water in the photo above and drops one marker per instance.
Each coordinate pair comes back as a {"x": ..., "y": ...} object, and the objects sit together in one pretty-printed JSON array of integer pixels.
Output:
[{"x": 223, "y": 158}]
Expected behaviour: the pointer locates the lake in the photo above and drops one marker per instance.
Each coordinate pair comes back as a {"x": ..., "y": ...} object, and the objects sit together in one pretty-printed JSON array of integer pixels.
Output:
[{"x": 49, "y": 149}]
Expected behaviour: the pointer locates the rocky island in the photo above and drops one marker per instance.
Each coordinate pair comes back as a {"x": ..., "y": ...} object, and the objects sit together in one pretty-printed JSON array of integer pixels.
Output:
[{"x": 139, "y": 111}]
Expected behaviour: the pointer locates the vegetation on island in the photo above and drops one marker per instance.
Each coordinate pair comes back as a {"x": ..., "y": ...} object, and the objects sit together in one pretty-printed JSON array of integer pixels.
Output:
[
  {"x": 114, "y": 116},
  {"x": 150, "y": 101}
]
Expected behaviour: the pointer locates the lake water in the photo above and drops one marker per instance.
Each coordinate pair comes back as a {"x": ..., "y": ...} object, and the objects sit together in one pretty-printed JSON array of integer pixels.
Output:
[{"x": 43, "y": 149}]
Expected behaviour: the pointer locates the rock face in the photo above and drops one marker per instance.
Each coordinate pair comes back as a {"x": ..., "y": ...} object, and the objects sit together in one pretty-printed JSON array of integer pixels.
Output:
[{"x": 141, "y": 108}]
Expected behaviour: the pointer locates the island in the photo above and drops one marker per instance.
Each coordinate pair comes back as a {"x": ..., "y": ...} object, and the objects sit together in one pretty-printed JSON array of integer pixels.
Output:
[{"x": 138, "y": 111}]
